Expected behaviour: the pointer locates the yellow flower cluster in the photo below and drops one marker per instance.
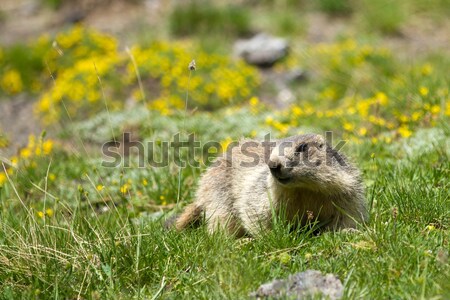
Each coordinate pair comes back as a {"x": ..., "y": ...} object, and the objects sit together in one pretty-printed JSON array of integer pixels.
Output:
[
  {"x": 22, "y": 66},
  {"x": 348, "y": 72},
  {"x": 79, "y": 58},
  {"x": 376, "y": 116},
  {"x": 83, "y": 58},
  {"x": 77, "y": 44},
  {"x": 47, "y": 213},
  {"x": 3, "y": 178},
  {"x": 37, "y": 147},
  {"x": 217, "y": 81},
  {"x": 11, "y": 82},
  {"x": 77, "y": 90},
  {"x": 348, "y": 52}
]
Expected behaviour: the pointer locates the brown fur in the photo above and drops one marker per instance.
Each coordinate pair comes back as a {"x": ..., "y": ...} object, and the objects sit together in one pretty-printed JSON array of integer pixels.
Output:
[{"x": 242, "y": 199}]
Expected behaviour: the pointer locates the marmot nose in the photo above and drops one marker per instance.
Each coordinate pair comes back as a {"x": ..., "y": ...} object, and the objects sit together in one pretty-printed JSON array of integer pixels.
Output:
[{"x": 275, "y": 168}]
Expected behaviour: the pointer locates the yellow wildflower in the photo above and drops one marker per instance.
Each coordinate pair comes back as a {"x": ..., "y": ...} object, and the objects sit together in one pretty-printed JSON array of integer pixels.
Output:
[
  {"x": 40, "y": 214},
  {"x": 25, "y": 153},
  {"x": 14, "y": 161},
  {"x": 254, "y": 104},
  {"x": 144, "y": 182},
  {"x": 348, "y": 126},
  {"x": 3, "y": 178},
  {"x": 124, "y": 188},
  {"x": 283, "y": 128},
  {"x": 225, "y": 143},
  {"x": 424, "y": 91},
  {"x": 416, "y": 115},
  {"x": 100, "y": 187},
  {"x": 224, "y": 91},
  {"x": 297, "y": 111},
  {"x": 390, "y": 125},
  {"x": 435, "y": 109},
  {"x": 381, "y": 121},
  {"x": 269, "y": 120},
  {"x": 329, "y": 113},
  {"x": 31, "y": 141},
  {"x": 11, "y": 82},
  {"x": 403, "y": 118},
  {"x": 362, "y": 131},
  {"x": 427, "y": 69},
  {"x": 329, "y": 93},
  {"x": 381, "y": 98},
  {"x": 363, "y": 107},
  {"x": 49, "y": 212},
  {"x": 52, "y": 177},
  {"x": 254, "y": 101},
  {"x": 404, "y": 131}
]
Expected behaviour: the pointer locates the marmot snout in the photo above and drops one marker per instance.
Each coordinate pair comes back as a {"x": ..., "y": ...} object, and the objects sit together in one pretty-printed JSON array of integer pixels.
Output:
[
  {"x": 308, "y": 162},
  {"x": 303, "y": 174}
]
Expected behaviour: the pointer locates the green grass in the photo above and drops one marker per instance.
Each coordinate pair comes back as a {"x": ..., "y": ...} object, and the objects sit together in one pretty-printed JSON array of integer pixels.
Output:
[
  {"x": 115, "y": 256},
  {"x": 203, "y": 17},
  {"x": 385, "y": 16},
  {"x": 125, "y": 253},
  {"x": 333, "y": 7}
]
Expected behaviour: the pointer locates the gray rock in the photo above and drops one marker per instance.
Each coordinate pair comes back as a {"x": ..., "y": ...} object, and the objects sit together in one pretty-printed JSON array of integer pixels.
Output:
[
  {"x": 304, "y": 285},
  {"x": 261, "y": 50},
  {"x": 296, "y": 75}
]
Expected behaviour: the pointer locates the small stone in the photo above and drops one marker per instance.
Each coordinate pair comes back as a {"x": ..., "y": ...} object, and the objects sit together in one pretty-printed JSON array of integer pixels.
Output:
[
  {"x": 261, "y": 50},
  {"x": 296, "y": 75},
  {"x": 302, "y": 285}
]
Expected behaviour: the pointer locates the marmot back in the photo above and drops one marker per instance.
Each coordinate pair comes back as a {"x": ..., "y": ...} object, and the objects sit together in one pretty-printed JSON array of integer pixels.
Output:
[{"x": 300, "y": 175}]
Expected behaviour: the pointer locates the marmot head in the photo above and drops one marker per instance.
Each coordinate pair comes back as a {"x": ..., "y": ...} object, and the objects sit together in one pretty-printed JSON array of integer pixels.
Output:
[{"x": 307, "y": 161}]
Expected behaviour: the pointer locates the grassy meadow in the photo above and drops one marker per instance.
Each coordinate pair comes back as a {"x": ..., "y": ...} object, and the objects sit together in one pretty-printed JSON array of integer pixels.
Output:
[{"x": 71, "y": 228}]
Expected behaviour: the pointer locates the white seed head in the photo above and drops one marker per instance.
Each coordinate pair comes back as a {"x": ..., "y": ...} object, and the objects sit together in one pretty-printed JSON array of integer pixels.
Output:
[{"x": 192, "y": 65}]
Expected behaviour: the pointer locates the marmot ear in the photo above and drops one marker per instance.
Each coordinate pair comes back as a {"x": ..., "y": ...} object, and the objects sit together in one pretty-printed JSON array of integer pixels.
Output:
[{"x": 301, "y": 148}]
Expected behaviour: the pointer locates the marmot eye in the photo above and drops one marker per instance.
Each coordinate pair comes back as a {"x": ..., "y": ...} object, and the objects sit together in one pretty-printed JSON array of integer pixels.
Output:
[
  {"x": 321, "y": 146},
  {"x": 301, "y": 148}
]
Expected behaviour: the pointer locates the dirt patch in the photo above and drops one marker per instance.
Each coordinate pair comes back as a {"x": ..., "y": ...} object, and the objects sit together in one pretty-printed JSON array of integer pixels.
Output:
[
  {"x": 17, "y": 122},
  {"x": 122, "y": 18}
]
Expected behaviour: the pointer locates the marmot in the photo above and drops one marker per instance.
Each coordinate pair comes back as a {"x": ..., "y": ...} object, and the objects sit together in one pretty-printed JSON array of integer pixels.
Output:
[{"x": 301, "y": 174}]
